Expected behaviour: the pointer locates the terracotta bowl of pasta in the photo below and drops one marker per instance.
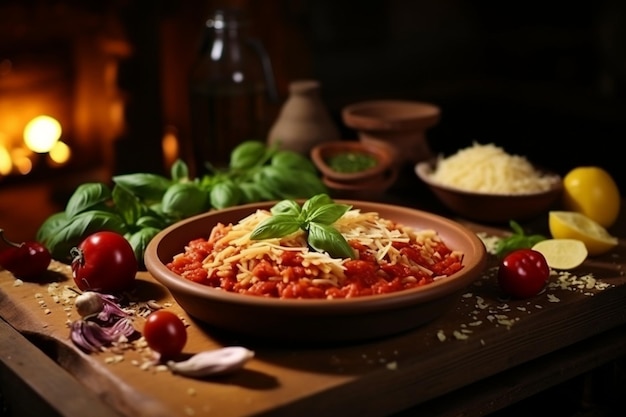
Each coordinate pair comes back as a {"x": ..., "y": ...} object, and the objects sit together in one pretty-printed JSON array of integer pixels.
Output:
[{"x": 272, "y": 280}]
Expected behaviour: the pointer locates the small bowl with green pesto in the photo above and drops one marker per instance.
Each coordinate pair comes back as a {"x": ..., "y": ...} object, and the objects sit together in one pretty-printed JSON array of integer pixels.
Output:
[{"x": 352, "y": 161}]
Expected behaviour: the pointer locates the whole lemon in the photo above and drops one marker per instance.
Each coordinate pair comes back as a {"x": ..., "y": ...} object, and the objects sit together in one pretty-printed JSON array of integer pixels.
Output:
[{"x": 592, "y": 191}]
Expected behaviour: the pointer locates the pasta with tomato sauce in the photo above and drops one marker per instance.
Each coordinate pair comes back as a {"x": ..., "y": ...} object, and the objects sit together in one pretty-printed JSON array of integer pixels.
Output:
[{"x": 389, "y": 257}]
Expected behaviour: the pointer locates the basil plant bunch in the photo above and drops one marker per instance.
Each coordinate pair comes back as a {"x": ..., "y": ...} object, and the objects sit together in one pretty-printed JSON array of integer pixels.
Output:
[{"x": 140, "y": 205}]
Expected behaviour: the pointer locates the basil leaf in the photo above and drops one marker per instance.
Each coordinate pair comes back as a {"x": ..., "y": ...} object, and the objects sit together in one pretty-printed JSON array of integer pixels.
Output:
[
  {"x": 127, "y": 205},
  {"x": 139, "y": 241},
  {"x": 268, "y": 187},
  {"x": 314, "y": 202},
  {"x": 286, "y": 159},
  {"x": 179, "y": 171},
  {"x": 532, "y": 239},
  {"x": 286, "y": 183},
  {"x": 148, "y": 186},
  {"x": 274, "y": 227},
  {"x": 151, "y": 222},
  {"x": 250, "y": 193},
  {"x": 286, "y": 207},
  {"x": 184, "y": 199},
  {"x": 86, "y": 197},
  {"x": 50, "y": 226},
  {"x": 248, "y": 154},
  {"x": 328, "y": 213},
  {"x": 78, "y": 227},
  {"x": 311, "y": 184},
  {"x": 325, "y": 238},
  {"x": 517, "y": 229},
  {"x": 517, "y": 240},
  {"x": 263, "y": 192},
  {"x": 225, "y": 194}
]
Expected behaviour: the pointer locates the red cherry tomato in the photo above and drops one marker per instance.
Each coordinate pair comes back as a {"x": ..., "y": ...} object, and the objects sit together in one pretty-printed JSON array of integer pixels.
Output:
[
  {"x": 26, "y": 260},
  {"x": 165, "y": 333},
  {"x": 104, "y": 262},
  {"x": 523, "y": 273}
]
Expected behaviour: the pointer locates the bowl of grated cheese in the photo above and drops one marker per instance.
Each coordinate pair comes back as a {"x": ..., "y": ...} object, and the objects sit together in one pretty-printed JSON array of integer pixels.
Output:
[{"x": 484, "y": 183}]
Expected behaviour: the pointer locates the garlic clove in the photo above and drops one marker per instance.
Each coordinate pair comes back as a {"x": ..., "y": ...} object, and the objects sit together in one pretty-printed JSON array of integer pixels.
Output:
[
  {"x": 212, "y": 362},
  {"x": 89, "y": 304}
]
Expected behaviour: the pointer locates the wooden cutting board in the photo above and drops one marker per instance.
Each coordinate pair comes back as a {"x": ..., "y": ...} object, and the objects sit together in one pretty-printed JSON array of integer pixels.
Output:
[{"x": 482, "y": 336}]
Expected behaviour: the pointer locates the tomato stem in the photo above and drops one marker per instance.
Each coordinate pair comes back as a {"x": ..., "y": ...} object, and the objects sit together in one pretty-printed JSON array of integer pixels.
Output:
[
  {"x": 10, "y": 242},
  {"x": 77, "y": 255}
]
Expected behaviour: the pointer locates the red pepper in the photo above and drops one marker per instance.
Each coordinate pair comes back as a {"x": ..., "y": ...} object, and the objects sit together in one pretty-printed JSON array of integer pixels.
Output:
[
  {"x": 26, "y": 260},
  {"x": 523, "y": 273}
]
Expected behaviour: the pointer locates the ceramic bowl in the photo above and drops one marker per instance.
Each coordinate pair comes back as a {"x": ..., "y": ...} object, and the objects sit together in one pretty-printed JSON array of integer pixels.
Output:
[
  {"x": 371, "y": 188},
  {"x": 316, "y": 321},
  {"x": 400, "y": 123},
  {"x": 323, "y": 152},
  {"x": 489, "y": 208}
]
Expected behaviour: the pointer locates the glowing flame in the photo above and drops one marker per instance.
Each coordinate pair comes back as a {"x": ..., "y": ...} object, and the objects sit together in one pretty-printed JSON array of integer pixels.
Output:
[
  {"x": 5, "y": 161},
  {"x": 41, "y": 133},
  {"x": 60, "y": 153},
  {"x": 169, "y": 145},
  {"x": 21, "y": 160}
]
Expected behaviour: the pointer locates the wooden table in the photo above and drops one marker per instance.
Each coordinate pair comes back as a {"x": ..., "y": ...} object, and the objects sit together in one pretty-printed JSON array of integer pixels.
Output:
[{"x": 495, "y": 352}]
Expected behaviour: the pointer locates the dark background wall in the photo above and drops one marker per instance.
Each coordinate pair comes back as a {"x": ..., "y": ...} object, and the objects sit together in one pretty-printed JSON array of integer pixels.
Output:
[{"x": 544, "y": 79}]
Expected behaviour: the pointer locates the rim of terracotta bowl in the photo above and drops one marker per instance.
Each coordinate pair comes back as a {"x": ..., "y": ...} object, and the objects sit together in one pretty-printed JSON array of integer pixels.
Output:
[
  {"x": 321, "y": 152},
  {"x": 377, "y": 115},
  {"x": 172, "y": 239},
  {"x": 380, "y": 182}
]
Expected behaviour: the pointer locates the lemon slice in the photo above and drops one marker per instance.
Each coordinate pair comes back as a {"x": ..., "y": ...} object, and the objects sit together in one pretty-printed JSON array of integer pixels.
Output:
[
  {"x": 574, "y": 225},
  {"x": 562, "y": 253}
]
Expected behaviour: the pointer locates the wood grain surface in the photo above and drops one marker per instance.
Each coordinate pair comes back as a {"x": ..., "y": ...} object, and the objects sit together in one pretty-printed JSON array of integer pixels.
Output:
[{"x": 484, "y": 336}]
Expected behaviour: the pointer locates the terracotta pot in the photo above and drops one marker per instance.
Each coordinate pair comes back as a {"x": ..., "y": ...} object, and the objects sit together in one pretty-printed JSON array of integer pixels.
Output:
[
  {"x": 321, "y": 154},
  {"x": 303, "y": 121},
  {"x": 368, "y": 189},
  {"x": 401, "y": 124}
]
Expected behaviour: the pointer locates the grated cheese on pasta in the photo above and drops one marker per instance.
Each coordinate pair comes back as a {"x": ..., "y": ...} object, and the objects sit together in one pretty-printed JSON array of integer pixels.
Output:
[{"x": 368, "y": 228}]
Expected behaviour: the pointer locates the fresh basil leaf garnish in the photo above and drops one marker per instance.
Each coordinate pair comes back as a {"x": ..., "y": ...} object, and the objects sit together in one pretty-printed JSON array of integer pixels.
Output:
[
  {"x": 286, "y": 207},
  {"x": 276, "y": 226},
  {"x": 325, "y": 238},
  {"x": 315, "y": 217},
  {"x": 328, "y": 213}
]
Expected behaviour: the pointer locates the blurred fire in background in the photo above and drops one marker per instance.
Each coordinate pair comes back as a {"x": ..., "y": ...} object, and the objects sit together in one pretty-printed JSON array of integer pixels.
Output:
[
  {"x": 114, "y": 74},
  {"x": 112, "y": 77},
  {"x": 60, "y": 106}
]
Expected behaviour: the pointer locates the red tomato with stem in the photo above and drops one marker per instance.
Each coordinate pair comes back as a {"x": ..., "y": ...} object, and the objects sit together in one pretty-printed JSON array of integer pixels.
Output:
[
  {"x": 104, "y": 262},
  {"x": 165, "y": 333},
  {"x": 28, "y": 260},
  {"x": 523, "y": 273}
]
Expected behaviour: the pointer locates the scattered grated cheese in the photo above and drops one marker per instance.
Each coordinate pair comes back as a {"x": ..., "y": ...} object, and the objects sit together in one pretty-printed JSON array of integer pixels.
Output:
[
  {"x": 392, "y": 366},
  {"x": 441, "y": 336},
  {"x": 490, "y": 242},
  {"x": 459, "y": 336},
  {"x": 553, "y": 298}
]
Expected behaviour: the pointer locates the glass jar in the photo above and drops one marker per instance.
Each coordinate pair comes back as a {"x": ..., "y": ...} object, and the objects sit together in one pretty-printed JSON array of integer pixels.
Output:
[{"x": 231, "y": 89}]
